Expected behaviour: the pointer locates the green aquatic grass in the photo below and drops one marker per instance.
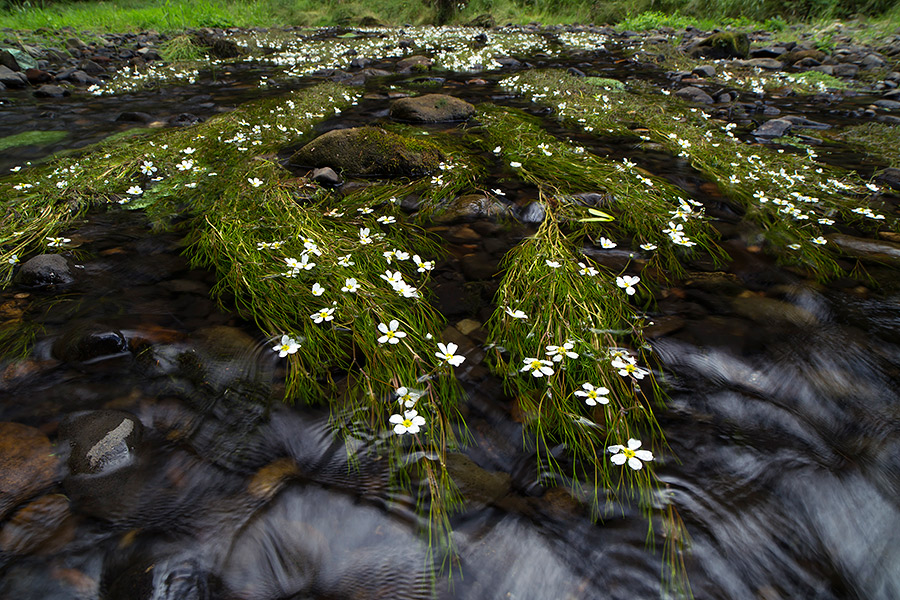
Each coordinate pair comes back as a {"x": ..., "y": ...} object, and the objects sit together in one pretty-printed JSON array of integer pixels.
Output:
[
  {"x": 792, "y": 199},
  {"x": 876, "y": 139},
  {"x": 32, "y": 138}
]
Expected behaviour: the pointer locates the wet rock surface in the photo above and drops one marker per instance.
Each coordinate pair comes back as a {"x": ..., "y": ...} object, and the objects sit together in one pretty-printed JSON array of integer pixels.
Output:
[
  {"x": 368, "y": 151},
  {"x": 100, "y": 441},
  {"x": 431, "y": 108},
  {"x": 45, "y": 270},
  {"x": 28, "y": 465}
]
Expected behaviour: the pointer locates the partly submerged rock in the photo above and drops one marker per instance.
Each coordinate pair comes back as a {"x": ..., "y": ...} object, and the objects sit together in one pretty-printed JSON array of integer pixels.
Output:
[
  {"x": 28, "y": 464},
  {"x": 874, "y": 250},
  {"x": 45, "y": 269},
  {"x": 101, "y": 440},
  {"x": 694, "y": 94},
  {"x": 773, "y": 128},
  {"x": 88, "y": 341},
  {"x": 431, "y": 108},
  {"x": 369, "y": 151}
]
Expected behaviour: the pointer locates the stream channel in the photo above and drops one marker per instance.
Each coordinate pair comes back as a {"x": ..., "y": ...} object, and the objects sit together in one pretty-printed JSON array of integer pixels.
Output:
[{"x": 782, "y": 417}]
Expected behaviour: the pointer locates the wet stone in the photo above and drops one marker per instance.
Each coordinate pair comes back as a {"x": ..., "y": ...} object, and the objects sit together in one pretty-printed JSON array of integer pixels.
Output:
[
  {"x": 51, "y": 91},
  {"x": 34, "y": 524},
  {"x": 45, "y": 270},
  {"x": 472, "y": 207},
  {"x": 101, "y": 441},
  {"x": 28, "y": 464},
  {"x": 889, "y": 177},
  {"x": 88, "y": 341},
  {"x": 12, "y": 79},
  {"x": 874, "y": 250},
  {"x": 704, "y": 71},
  {"x": 431, "y": 108},
  {"x": 414, "y": 63}
]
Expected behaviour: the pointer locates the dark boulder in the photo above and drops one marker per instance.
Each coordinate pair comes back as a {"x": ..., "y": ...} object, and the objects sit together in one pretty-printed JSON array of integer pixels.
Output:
[
  {"x": 724, "y": 44},
  {"x": 51, "y": 91},
  {"x": 45, "y": 269},
  {"x": 89, "y": 341},
  {"x": 773, "y": 128},
  {"x": 101, "y": 441},
  {"x": 694, "y": 94}
]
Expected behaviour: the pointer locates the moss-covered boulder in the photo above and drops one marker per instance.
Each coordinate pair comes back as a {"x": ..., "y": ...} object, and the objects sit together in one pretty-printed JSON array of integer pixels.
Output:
[
  {"x": 725, "y": 44},
  {"x": 431, "y": 108},
  {"x": 369, "y": 151}
]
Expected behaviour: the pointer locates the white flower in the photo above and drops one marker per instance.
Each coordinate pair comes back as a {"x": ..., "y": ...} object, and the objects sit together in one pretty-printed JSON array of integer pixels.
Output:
[
  {"x": 185, "y": 165},
  {"x": 365, "y": 210},
  {"x": 627, "y": 366},
  {"x": 587, "y": 270},
  {"x": 631, "y": 454},
  {"x": 498, "y": 192},
  {"x": 324, "y": 314},
  {"x": 364, "y": 237},
  {"x": 516, "y": 314},
  {"x": 497, "y": 150},
  {"x": 448, "y": 354},
  {"x": 394, "y": 278},
  {"x": 317, "y": 290},
  {"x": 593, "y": 395},
  {"x": 14, "y": 259},
  {"x": 189, "y": 150},
  {"x": 406, "y": 290},
  {"x": 350, "y": 285},
  {"x": 398, "y": 254},
  {"x": 606, "y": 243},
  {"x": 515, "y": 164},
  {"x": 134, "y": 190},
  {"x": 553, "y": 264},
  {"x": 819, "y": 240},
  {"x": 410, "y": 422},
  {"x": 386, "y": 219},
  {"x": 648, "y": 247},
  {"x": 391, "y": 335},
  {"x": 627, "y": 282},
  {"x": 538, "y": 367},
  {"x": 424, "y": 265},
  {"x": 55, "y": 242},
  {"x": 288, "y": 345},
  {"x": 147, "y": 168},
  {"x": 254, "y": 181},
  {"x": 408, "y": 397},
  {"x": 556, "y": 353},
  {"x": 345, "y": 261}
]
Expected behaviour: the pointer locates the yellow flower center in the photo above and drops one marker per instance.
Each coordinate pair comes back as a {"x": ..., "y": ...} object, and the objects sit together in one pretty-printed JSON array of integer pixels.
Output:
[
  {"x": 628, "y": 453},
  {"x": 536, "y": 364},
  {"x": 408, "y": 423},
  {"x": 390, "y": 334}
]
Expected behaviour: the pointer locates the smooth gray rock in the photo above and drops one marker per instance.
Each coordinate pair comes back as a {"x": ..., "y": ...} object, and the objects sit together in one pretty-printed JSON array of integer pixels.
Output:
[
  {"x": 100, "y": 440},
  {"x": 51, "y": 91},
  {"x": 12, "y": 79},
  {"x": 431, "y": 108},
  {"x": 773, "y": 128},
  {"x": 326, "y": 176},
  {"x": 694, "y": 94}
]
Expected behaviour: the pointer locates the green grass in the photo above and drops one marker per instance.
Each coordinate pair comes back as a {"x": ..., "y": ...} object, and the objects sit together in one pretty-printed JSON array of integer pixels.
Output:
[{"x": 176, "y": 15}]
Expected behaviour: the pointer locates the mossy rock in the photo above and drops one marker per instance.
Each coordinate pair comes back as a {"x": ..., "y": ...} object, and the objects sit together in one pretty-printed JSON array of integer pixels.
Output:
[
  {"x": 431, "y": 108},
  {"x": 606, "y": 83},
  {"x": 369, "y": 151},
  {"x": 725, "y": 44}
]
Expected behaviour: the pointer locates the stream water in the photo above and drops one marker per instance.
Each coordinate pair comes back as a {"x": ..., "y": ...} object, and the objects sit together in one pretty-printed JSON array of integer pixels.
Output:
[{"x": 783, "y": 421}]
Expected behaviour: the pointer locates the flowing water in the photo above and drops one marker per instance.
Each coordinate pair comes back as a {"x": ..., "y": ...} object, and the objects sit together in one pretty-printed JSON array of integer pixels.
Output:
[{"x": 783, "y": 423}]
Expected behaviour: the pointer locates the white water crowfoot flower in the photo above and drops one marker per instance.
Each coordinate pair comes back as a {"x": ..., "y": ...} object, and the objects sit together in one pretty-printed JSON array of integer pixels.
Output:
[
  {"x": 410, "y": 422},
  {"x": 317, "y": 289},
  {"x": 423, "y": 265},
  {"x": 627, "y": 283},
  {"x": 516, "y": 314},
  {"x": 586, "y": 270},
  {"x": 391, "y": 334},
  {"x": 538, "y": 367},
  {"x": 408, "y": 397},
  {"x": 56, "y": 242},
  {"x": 593, "y": 395},
  {"x": 134, "y": 190},
  {"x": 324, "y": 314},
  {"x": 556, "y": 353},
  {"x": 448, "y": 354},
  {"x": 288, "y": 345},
  {"x": 254, "y": 181},
  {"x": 630, "y": 454},
  {"x": 627, "y": 367},
  {"x": 351, "y": 286}
]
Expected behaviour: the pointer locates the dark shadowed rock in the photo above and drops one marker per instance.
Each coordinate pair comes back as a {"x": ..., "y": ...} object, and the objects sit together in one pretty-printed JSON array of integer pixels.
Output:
[
  {"x": 431, "y": 108},
  {"x": 704, "y": 71},
  {"x": 12, "y": 79},
  {"x": 34, "y": 524},
  {"x": 28, "y": 464},
  {"x": 100, "y": 440},
  {"x": 414, "y": 63},
  {"x": 87, "y": 341},
  {"x": 37, "y": 76},
  {"x": 471, "y": 207},
  {"x": 45, "y": 269},
  {"x": 773, "y": 128},
  {"x": 889, "y": 177},
  {"x": 217, "y": 46},
  {"x": 51, "y": 91},
  {"x": 369, "y": 151},
  {"x": 874, "y": 250},
  {"x": 694, "y": 94}
]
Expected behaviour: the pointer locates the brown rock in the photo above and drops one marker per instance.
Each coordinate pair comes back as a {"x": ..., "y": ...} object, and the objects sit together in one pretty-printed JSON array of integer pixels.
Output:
[
  {"x": 35, "y": 524},
  {"x": 27, "y": 464},
  {"x": 431, "y": 108}
]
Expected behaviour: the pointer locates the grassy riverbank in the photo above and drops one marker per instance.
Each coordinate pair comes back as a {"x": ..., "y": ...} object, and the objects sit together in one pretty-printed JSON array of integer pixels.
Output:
[{"x": 173, "y": 15}]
